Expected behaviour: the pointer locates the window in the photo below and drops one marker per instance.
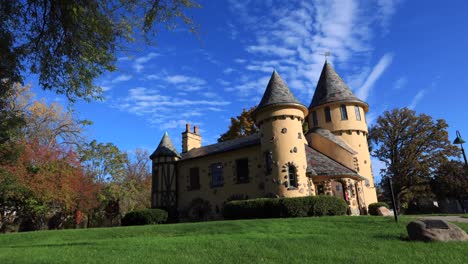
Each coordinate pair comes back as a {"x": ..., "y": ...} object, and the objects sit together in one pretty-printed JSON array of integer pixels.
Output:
[
  {"x": 194, "y": 179},
  {"x": 327, "y": 114},
  {"x": 344, "y": 113},
  {"x": 358, "y": 113},
  {"x": 292, "y": 176},
  {"x": 242, "y": 169},
  {"x": 268, "y": 162},
  {"x": 314, "y": 118},
  {"x": 217, "y": 174}
]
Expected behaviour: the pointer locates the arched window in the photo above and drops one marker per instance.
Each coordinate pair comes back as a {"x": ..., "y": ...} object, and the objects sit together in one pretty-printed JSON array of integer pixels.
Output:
[
  {"x": 327, "y": 114},
  {"x": 292, "y": 176},
  {"x": 344, "y": 113}
]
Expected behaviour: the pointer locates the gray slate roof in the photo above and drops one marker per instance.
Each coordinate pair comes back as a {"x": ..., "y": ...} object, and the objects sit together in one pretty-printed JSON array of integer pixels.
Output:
[
  {"x": 320, "y": 165},
  {"x": 329, "y": 135},
  {"x": 225, "y": 146},
  {"x": 331, "y": 88},
  {"x": 277, "y": 93},
  {"x": 165, "y": 148}
]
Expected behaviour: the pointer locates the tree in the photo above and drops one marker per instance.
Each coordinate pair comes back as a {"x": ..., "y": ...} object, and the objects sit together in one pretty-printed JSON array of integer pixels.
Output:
[
  {"x": 137, "y": 183},
  {"x": 71, "y": 43},
  {"x": 412, "y": 147},
  {"x": 451, "y": 181},
  {"x": 48, "y": 123},
  {"x": 242, "y": 125}
]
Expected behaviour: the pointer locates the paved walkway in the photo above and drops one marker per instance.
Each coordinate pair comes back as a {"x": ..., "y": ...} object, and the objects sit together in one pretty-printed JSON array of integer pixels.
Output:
[{"x": 448, "y": 218}]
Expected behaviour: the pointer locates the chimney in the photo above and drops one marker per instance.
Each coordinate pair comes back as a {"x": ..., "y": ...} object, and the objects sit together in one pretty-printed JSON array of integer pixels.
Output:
[{"x": 190, "y": 140}]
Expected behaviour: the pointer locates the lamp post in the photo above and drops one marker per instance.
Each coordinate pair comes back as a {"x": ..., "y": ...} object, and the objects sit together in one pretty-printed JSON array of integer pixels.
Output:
[{"x": 460, "y": 141}]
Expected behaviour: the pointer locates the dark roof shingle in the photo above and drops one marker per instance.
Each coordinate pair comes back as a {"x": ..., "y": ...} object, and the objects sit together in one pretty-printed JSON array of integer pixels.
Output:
[
  {"x": 225, "y": 146},
  {"x": 331, "y": 88},
  {"x": 165, "y": 148},
  {"x": 320, "y": 165},
  {"x": 277, "y": 93}
]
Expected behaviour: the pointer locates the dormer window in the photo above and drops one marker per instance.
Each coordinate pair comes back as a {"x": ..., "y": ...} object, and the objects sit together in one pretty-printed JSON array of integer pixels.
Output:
[{"x": 344, "y": 113}]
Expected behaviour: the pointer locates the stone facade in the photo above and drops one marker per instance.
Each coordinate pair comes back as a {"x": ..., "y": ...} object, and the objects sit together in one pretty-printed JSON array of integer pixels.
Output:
[{"x": 280, "y": 161}]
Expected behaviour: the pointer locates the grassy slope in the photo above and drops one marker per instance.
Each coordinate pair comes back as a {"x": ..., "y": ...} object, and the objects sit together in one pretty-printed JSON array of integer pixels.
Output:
[{"x": 300, "y": 240}]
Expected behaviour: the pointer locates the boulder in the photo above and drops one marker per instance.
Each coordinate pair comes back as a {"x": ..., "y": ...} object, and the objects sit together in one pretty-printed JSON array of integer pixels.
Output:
[
  {"x": 435, "y": 230},
  {"x": 383, "y": 211}
]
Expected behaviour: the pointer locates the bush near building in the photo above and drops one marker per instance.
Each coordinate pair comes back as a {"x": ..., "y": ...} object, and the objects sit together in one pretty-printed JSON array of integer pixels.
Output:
[
  {"x": 145, "y": 217},
  {"x": 285, "y": 207}
]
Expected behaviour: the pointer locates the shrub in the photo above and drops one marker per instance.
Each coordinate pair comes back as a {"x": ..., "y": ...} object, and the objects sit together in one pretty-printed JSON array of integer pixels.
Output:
[
  {"x": 374, "y": 206},
  {"x": 145, "y": 217},
  {"x": 284, "y": 207},
  {"x": 328, "y": 205}
]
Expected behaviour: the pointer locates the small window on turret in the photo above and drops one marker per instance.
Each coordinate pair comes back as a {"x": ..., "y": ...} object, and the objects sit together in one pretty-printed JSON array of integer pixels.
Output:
[
  {"x": 292, "y": 176},
  {"x": 314, "y": 118},
  {"x": 268, "y": 162},
  {"x": 344, "y": 113},
  {"x": 358, "y": 113},
  {"x": 327, "y": 114}
]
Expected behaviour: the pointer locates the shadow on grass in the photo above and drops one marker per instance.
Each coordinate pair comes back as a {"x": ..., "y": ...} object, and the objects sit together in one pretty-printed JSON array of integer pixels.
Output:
[{"x": 51, "y": 245}]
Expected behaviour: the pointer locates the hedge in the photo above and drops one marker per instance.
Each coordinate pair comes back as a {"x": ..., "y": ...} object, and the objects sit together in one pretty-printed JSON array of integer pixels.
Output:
[
  {"x": 374, "y": 206},
  {"x": 145, "y": 217},
  {"x": 284, "y": 207}
]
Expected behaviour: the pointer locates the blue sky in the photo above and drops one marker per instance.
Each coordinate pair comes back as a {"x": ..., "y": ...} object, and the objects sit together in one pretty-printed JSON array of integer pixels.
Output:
[{"x": 392, "y": 53}]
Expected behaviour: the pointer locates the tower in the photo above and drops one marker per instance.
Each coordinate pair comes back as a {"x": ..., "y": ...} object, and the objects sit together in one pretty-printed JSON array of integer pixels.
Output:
[
  {"x": 279, "y": 117},
  {"x": 164, "y": 176},
  {"x": 336, "y": 108}
]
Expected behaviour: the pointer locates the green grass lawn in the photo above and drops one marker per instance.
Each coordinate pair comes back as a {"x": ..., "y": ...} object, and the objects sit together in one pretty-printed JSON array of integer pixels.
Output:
[{"x": 300, "y": 240}]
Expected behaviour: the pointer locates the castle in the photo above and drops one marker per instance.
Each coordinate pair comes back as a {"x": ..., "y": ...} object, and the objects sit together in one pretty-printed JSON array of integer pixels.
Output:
[{"x": 280, "y": 161}]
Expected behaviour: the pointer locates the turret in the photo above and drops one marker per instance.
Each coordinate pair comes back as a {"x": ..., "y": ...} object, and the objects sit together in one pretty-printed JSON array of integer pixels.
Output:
[
  {"x": 279, "y": 117},
  {"x": 335, "y": 108},
  {"x": 164, "y": 177}
]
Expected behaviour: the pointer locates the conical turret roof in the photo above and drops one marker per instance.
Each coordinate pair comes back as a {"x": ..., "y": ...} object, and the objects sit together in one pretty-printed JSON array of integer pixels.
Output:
[
  {"x": 165, "y": 148},
  {"x": 277, "y": 93},
  {"x": 331, "y": 88}
]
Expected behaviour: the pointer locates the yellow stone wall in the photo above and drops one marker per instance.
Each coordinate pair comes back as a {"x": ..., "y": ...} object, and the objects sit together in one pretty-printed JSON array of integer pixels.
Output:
[
  {"x": 331, "y": 149},
  {"x": 190, "y": 140},
  {"x": 218, "y": 195},
  {"x": 281, "y": 133},
  {"x": 354, "y": 133}
]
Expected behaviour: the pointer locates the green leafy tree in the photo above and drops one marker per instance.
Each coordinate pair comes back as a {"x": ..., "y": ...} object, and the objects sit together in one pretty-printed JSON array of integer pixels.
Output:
[
  {"x": 71, "y": 43},
  {"x": 451, "y": 181},
  {"x": 412, "y": 147},
  {"x": 241, "y": 126}
]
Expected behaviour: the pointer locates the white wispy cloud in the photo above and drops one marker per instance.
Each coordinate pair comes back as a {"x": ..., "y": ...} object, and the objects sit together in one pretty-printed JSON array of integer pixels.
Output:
[
  {"x": 375, "y": 74},
  {"x": 139, "y": 62},
  {"x": 400, "y": 83},
  {"x": 386, "y": 9},
  {"x": 122, "y": 78},
  {"x": 180, "y": 81},
  {"x": 228, "y": 70},
  {"x": 161, "y": 109},
  {"x": 295, "y": 35},
  {"x": 416, "y": 99}
]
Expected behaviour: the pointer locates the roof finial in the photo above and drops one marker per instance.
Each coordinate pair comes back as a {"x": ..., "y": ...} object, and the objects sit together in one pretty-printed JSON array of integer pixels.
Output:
[{"x": 326, "y": 54}]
